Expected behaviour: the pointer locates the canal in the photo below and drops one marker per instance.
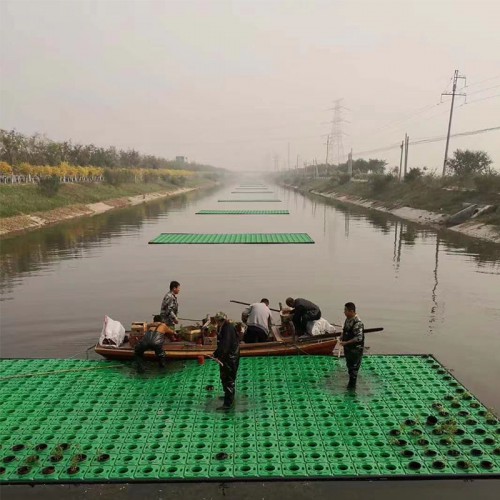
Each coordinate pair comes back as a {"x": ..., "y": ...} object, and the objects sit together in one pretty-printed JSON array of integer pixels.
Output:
[{"x": 433, "y": 292}]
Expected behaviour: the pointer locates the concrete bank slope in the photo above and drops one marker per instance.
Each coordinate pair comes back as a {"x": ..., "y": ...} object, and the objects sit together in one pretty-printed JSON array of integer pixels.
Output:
[
  {"x": 20, "y": 223},
  {"x": 473, "y": 228}
]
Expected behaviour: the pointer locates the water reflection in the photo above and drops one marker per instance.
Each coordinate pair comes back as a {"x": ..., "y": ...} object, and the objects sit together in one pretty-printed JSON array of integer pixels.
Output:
[
  {"x": 433, "y": 314},
  {"x": 33, "y": 251},
  {"x": 484, "y": 252},
  {"x": 408, "y": 235}
]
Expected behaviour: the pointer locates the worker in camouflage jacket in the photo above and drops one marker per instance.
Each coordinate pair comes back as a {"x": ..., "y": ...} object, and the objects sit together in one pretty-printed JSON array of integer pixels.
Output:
[
  {"x": 170, "y": 306},
  {"x": 353, "y": 342}
]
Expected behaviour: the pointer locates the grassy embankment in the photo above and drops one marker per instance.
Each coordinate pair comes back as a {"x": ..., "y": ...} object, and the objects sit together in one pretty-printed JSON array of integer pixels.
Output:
[
  {"x": 27, "y": 198},
  {"x": 427, "y": 193}
]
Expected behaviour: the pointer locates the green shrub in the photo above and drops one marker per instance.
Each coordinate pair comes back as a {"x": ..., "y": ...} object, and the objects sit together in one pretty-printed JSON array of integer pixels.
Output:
[
  {"x": 150, "y": 177},
  {"x": 380, "y": 182},
  {"x": 344, "y": 179},
  {"x": 117, "y": 176},
  {"x": 178, "y": 180},
  {"x": 413, "y": 175},
  {"x": 489, "y": 183},
  {"x": 49, "y": 186}
]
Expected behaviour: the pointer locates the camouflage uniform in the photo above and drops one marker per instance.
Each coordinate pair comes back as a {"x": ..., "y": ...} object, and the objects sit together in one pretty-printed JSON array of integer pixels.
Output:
[
  {"x": 169, "y": 309},
  {"x": 353, "y": 329}
]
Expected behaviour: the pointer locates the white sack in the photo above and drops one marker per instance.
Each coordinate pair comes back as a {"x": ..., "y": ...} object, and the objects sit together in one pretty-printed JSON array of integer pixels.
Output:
[
  {"x": 319, "y": 327},
  {"x": 113, "y": 332}
]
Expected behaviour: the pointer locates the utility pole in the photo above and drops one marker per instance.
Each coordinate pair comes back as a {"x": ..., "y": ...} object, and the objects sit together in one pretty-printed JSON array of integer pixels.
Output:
[
  {"x": 327, "y": 147},
  {"x": 407, "y": 142},
  {"x": 349, "y": 164},
  {"x": 401, "y": 160},
  {"x": 456, "y": 76},
  {"x": 288, "y": 162}
]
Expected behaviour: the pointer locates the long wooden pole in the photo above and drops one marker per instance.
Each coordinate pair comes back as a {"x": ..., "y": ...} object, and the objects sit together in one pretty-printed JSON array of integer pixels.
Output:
[{"x": 366, "y": 330}]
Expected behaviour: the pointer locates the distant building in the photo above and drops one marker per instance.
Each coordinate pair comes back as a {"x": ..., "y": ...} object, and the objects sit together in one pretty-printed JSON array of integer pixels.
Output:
[{"x": 181, "y": 159}]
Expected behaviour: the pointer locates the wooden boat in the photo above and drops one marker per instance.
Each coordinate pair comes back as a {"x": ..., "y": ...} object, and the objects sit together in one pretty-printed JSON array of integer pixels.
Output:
[{"x": 282, "y": 346}]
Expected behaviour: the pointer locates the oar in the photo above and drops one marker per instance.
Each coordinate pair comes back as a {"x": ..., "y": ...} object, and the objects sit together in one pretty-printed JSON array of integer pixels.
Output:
[
  {"x": 188, "y": 319},
  {"x": 247, "y": 304},
  {"x": 366, "y": 330}
]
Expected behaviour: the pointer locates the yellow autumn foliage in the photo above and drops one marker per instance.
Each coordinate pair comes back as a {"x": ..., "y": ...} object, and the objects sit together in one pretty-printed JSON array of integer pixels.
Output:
[
  {"x": 66, "y": 170},
  {"x": 5, "y": 168}
]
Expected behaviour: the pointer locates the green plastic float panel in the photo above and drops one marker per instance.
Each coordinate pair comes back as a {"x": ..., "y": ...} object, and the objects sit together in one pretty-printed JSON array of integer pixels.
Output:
[
  {"x": 243, "y": 212},
  {"x": 231, "y": 239},
  {"x": 97, "y": 421},
  {"x": 246, "y": 201}
]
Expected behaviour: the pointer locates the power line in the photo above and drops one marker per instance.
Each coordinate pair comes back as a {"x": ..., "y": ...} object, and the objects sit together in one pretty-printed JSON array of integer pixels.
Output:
[
  {"x": 477, "y": 100},
  {"x": 460, "y": 134},
  {"x": 429, "y": 140},
  {"x": 399, "y": 121},
  {"x": 482, "y": 81},
  {"x": 484, "y": 90}
]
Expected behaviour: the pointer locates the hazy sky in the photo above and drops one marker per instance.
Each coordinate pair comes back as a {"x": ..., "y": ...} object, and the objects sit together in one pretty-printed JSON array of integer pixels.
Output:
[{"x": 232, "y": 83}]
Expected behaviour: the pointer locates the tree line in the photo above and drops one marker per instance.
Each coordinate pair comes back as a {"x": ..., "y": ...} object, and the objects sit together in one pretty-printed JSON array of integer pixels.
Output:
[{"x": 17, "y": 148}]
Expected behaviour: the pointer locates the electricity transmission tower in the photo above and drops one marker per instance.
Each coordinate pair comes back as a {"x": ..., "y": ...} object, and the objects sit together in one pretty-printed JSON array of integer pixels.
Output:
[
  {"x": 453, "y": 93},
  {"x": 336, "y": 141}
]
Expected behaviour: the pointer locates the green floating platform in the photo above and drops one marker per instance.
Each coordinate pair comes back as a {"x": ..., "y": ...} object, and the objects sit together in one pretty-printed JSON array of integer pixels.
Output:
[
  {"x": 243, "y": 212},
  {"x": 97, "y": 421},
  {"x": 246, "y": 201},
  {"x": 231, "y": 239}
]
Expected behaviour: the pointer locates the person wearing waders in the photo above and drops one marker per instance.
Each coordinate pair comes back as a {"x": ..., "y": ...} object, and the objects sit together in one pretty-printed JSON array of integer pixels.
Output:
[
  {"x": 157, "y": 334},
  {"x": 352, "y": 340},
  {"x": 228, "y": 356}
]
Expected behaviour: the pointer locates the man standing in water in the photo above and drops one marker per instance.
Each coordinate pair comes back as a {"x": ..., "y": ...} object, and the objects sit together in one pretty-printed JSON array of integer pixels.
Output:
[
  {"x": 352, "y": 340},
  {"x": 170, "y": 306},
  {"x": 228, "y": 356}
]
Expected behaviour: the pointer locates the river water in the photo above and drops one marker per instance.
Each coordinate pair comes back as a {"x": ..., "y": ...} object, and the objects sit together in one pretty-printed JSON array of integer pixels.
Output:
[{"x": 433, "y": 292}]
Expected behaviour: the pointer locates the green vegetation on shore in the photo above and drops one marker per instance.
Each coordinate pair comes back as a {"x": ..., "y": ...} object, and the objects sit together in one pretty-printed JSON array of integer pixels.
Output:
[
  {"x": 422, "y": 192},
  {"x": 469, "y": 180},
  {"x": 27, "y": 198}
]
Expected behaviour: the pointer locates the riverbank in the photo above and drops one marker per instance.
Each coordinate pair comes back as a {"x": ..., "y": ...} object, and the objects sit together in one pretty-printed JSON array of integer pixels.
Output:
[
  {"x": 408, "y": 203},
  {"x": 101, "y": 197}
]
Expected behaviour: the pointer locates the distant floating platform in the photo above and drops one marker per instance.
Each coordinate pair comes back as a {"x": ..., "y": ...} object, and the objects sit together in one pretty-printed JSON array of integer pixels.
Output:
[
  {"x": 243, "y": 212},
  {"x": 71, "y": 421},
  {"x": 252, "y": 192},
  {"x": 231, "y": 239},
  {"x": 247, "y": 201}
]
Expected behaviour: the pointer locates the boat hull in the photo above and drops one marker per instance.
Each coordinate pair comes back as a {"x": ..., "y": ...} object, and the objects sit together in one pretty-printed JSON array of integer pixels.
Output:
[{"x": 187, "y": 350}]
